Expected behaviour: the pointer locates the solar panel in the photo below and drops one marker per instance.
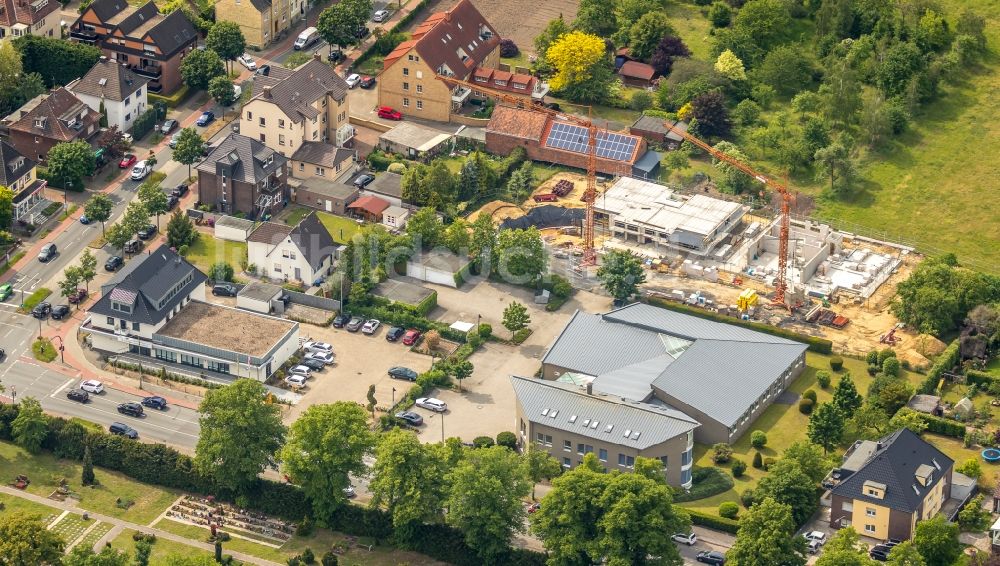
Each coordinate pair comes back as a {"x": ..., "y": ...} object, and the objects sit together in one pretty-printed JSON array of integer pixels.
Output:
[{"x": 576, "y": 138}]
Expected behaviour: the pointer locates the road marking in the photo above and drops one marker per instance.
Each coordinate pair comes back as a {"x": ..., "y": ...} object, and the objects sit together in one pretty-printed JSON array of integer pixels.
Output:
[
  {"x": 143, "y": 421},
  {"x": 64, "y": 386}
]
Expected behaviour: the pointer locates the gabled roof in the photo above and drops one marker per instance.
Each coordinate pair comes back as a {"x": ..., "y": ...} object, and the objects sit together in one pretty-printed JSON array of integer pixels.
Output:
[
  {"x": 322, "y": 153},
  {"x": 107, "y": 9},
  {"x": 246, "y": 158},
  {"x": 637, "y": 70},
  {"x": 451, "y": 39},
  {"x": 26, "y": 12},
  {"x": 169, "y": 32},
  {"x": 295, "y": 94},
  {"x": 54, "y": 113},
  {"x": 152, "y": 284},
  {"x": 14, "y": 165},
  {"x": 605, "y": 418},
  {"x": 270, "y": 233},
  {"x": 894, "y": 464},
  {"x": 370, "y": 204},
  {"x": 313, "y": 240},
  {"x": 517, "y": 123},
  {"x": 172, "y": 32},
  {"x": 109, "y": 80}
]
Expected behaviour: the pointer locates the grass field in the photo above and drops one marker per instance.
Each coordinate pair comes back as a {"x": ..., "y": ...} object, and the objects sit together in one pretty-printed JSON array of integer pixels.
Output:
[
  {"x": 341, "y": 229},
  {"x": 13, "y": 504},
  {"x": 162, "y": 548},
  {"x": 208, "y": 250}
]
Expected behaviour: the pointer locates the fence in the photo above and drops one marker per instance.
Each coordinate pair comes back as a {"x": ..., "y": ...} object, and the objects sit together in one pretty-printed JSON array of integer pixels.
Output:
[{"x": 313, "y": 301}]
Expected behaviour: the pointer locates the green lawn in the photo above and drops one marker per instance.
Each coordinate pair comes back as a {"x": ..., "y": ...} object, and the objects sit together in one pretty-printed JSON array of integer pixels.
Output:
[
  {"x": 341, "y": 229},
  {"x": 162, "y": 548},
  {"x": 783, "y": 424},
  {"x": 294, "y": 214},
  {"x": 12, "y": 504},
  {"x": 692, "y": 26},
  {"x": 209, "y": 250},
  {"x": 46, "y": 471}
]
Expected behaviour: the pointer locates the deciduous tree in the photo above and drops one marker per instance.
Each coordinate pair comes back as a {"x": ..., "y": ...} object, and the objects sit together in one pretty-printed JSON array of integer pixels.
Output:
[
  {"x": 786, "y": 69},
  {"x": 199, "y": 67},
  {"x": 567, "y": 521},
  {"x": 425, "y": 227},
  {"x": 733, "y": 180},
  {"x": 117, "y": 236},
  {"x": 583, "y": 70},
  {"x": 596, "y": 17},
  {"x": 787, "y": 483},
  {"x": 834, "y": 162},
  {"x": 541, "y": 466},
  {"x": 70, "y": 281},
  {"x": 226, "y": 39},
  {"x": 135, "y": 218},
  {"x": 6, "y": 206},
  {"x": 730, "y": 66},
  {"x": 905, "y": 554},
  {"x": 24, "y": 541},
  {"x": 190, "y": 148},
  {"x": 180, "y": 231},
  {"x": 152, "y": 197},
  {"x": 667, "y": 51},
  {"x": 845, "y": 549},
  {"x": 826, "y": 426},
  {"x": 221, "y": 90},
  {"x": 710, "y": 110},
  {"x": 520, "y": 255},
  {"x": 484, "y": 242},
  {"x": 457, "y": 237},
  {"x": 70, "y": 162},
  {"x": 29, "y": 427},
  {"x": 98, "y": 209},
  {"x": 766, "y": 537},
  {"x": 636, "y": 510},
  {"x": 645, "y": 34},
  {"x": 621, "y": 273},
  {"x": 936, "y": 540},
  {"x": 408, "y": 479},
  {"x": 515, "y": 317},
  {"x": 84, "y": 555}
]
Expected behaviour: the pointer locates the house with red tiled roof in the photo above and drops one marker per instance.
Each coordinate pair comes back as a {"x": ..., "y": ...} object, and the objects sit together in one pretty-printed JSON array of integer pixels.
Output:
[
  {"x": 458, "y": 43},
  {"x": 49, "y": 119},
  {"x": 29, "y": 17}
]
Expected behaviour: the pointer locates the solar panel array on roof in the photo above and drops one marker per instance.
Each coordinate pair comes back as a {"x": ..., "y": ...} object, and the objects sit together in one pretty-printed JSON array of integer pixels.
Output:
[{"x": 575, "y": 138}]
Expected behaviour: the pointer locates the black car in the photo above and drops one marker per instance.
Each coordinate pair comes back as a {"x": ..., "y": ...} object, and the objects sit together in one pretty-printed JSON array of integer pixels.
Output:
[
  {"x": 180, "y": 190},
  {"x": 355, "y": 324},
  {"x": 155, "y": 402},
  {"x": 395, "y": 333},
  {"x": 363, "y": 180},
  {"x": 224, "y": 290},
  {"x": 341, "y": 319},
  {"x": 367, "y": 81},
  {"x": 335, "y": 56},
  {"x": 123, "y": 429},
  {"x": 312, "y": 364},
  {"x": 147, "y": 232},
  {"x": 78, "y": 395},
  {"x": 711, "y": 557},
  {"x": 113, "y": 263},
  {"x": 172, "y": 201},
  {"x": 880, "y": 552},
  {"x": 131, "y": 409},
  {"x": 362, "y": 32},
  {"x": 41, "y": 310},
  {"x": 60, "y": 312},
  {"x": 400, "y": 372},
  {"x": 410, "y": 418}
]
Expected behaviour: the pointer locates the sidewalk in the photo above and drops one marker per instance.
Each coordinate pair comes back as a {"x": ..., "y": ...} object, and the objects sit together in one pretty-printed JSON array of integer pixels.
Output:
[{"x": 129, "y": 525}]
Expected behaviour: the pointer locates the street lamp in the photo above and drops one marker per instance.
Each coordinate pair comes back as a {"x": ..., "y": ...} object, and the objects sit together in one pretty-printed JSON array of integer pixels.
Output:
[
  {"x": 62, "y": 349},
  {"x": 442, "y": 426},
  {"x": 393, "y": 396}
]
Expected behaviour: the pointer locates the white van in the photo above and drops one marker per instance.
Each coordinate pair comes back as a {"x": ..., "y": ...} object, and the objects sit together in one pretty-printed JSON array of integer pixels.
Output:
[{"x": 306, "y": 38}]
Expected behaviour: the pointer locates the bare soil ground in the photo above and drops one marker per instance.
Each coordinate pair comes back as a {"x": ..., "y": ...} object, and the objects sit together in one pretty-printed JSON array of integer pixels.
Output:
[{"x": 520, "y": 20}]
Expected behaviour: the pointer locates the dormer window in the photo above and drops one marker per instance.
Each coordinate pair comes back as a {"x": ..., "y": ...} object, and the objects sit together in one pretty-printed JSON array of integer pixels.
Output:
[
  {"x": 40, "y": 122},
  {"x": 121, "y": 307}
]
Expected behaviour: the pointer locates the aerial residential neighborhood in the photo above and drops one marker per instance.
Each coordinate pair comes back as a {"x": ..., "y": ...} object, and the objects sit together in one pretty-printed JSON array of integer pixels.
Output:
[{"x": 498, "y": 282}]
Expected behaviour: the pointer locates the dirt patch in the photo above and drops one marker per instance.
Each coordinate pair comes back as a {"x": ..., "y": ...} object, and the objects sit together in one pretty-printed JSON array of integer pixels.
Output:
[
  {"x": 311, "y": 315},
  {"x": 500, "y": 210}
]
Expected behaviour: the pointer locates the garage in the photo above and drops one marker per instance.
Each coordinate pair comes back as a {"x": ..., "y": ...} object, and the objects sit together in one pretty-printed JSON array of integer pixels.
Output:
[
  {"x": 232, "y": 228},
  {"x": 440, "y": 267}
]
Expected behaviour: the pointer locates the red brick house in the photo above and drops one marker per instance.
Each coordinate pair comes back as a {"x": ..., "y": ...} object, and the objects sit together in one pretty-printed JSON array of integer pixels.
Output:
[
  {"x": 49, "y": 119},
  {"x": 242, "y": 175}
]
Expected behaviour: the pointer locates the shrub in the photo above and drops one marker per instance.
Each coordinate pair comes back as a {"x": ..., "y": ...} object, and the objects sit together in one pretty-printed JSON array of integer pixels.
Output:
[
  {"x": 721, "y": 453},
  {"x": 482, "y": 442},
  {"x": 872, "y": 369},
  {"x": 758, "y": 460},
  {"x": 806, "y": 406},
  {"x": 329, "y": 559},
  {"x": 144, "y": 537},
  {"x": 890, "y": 367},
  {"x": 872, "y": 357},
  {"x": 221, "y": 271},
  {"x": 746, "y": 498},
  {"x": 823, "y": 379},
  {"x": 739, "y": 466},
  {"x": 521, "y": 335},
  {"x": 508, "y": 439},
  {"x": 758, "y": 439},
  {"x": 884, "y": 355},
  {"x": 307, "y": 556},
  {"x": 640, "y": 101},
  {"x": 729, "y": 510},
  {"x": 306, "y": 527},
  {"x": 809, "y": 394},
  {"x": 713, "y": 522},
  {"x": 485, "y": 331},
  {"x": 508, "y": 48},
  {"x": 945, "y": 362},
  {"x": 705, "y": 482},
  {"x": 768, "y": 463},
  {"x": 836, "y": 363}
]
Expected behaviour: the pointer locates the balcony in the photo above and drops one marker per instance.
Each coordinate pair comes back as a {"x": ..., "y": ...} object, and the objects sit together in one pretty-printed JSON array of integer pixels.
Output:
[
  {"x": 84, "y": 36},
  {"x": 154, "y": 86},
  {"x": 151, "y": 71}
]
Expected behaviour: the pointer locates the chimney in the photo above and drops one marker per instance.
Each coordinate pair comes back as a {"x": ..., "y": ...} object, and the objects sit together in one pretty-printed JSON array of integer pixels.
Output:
[
  {"x": 267, "y": 91},
  {"x": 317, "y": 56},
  {"x": 590, "y": 388},
  {"x": 104, "y": 58}
]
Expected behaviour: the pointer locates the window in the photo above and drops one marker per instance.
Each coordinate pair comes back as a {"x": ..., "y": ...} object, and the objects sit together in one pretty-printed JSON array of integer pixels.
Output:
[
  {"x": 220, "y": 367},
  {"x": 602, "y": 455},
  {"x": 277, "y": 268},
  {"x": 420, "y": 88},
  {"x": 579, "y": 448},
  {"x": 406, "y": 103},
  {"x": 262, "y": 138},
  {"x": 281, "y": 139},
  {"x": 320, "y": 171},
  {"x": 567, "y": 463},
  {"x": 135, "y": 326},
  {"x": 406, "y": 71},
  {"x": 626, "y": 461},
  {"x": 249, "y": 115},
  {"x": 873, "y": 492},
  {"x": 281, "y": 123},
  {"x": 406, "y": 86},
  {"x": 263, "y": 122},
  {"x": 685, "y": 458},
  {"x": 128, "y": 116},
  {"x": 315, "y": 133},
  {"x": 302, "y": 166},
  {"x": 869, "y": 528},
  {"x": 567, "y": 446},
  {"x": 663, "y": 460},
  {"x": 870, "y": 511},
  {"x": 685, "y": 477},
  {"x": 111, "y": 321},
  {"x": 420, "y": 105}
]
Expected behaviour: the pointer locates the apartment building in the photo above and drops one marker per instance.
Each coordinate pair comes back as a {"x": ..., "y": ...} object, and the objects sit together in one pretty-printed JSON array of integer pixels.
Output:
[
  {"x": 242, "y": 175},
  {"x": 261, "y": 21},
  {"x": 48, "y": 119},
  {"x": 18, "y": 174}
]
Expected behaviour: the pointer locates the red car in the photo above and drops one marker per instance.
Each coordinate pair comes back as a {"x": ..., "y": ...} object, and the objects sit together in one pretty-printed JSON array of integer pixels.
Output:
[
  {"x": 389, "y": 114},
  {"x": 127, "y": 161},
  {"x": 78, "y": 296},
  {"x": 411, "y": 337}
]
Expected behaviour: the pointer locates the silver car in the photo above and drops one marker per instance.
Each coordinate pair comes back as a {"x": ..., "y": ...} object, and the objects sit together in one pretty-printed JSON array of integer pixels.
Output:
[{"x": 380, "y": 16}]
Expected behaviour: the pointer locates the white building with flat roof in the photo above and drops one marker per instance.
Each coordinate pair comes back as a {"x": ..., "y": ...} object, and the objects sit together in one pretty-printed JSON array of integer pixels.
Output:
[{"x": 649, "y": 213}]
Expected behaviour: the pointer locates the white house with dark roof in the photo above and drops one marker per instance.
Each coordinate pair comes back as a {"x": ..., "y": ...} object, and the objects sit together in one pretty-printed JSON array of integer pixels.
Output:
[
  {"x": 304, "y": 252},
  {"x": 113, "y": 88},
  {"x": 19, "y": 175},
  {"x": 721, "y": 375}
]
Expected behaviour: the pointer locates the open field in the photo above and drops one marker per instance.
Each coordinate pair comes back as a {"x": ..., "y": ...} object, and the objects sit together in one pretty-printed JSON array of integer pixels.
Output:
[
  {"x": 208, "y": 250},
  {"x": 13, "y": 504}
]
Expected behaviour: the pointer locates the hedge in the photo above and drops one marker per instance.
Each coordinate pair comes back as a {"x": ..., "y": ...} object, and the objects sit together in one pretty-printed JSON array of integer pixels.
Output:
[
  {"x": 427, "y": 305},
  {"x": 945, "y": 362},
  {"x": 713, "y": 521},
  {"x": 171, "y": 101},
  {"x": 400, "y": 315},
  {"x": 974, "y": 377},
  {"x": 819, "y": 345},
  {"x": 944, "y": 427},
  {"x": 706, "y": 482},
  {"x": 33, "y": 299}
]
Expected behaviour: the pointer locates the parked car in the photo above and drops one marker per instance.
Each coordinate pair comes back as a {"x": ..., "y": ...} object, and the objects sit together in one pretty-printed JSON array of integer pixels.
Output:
[
  {"x": 47, "y": 252},
  {"x": 349, "y": 492},
  {"x": 84, "y": 220},
  {"x": 312, "y": 364},
  {"x": 432, "y": 404},
  {"x": 140, "y": 170},
  {"x": 133, "y": 246},
  {"x": 180, "y": 190},
  {"x": 41, "y": 310},
  {"x": 78, "y": 395},
  {"x": 355, "y": 324},
  {"x": 335, "y": 56},
  {"x": 371, "y": 326},
  {"x": 352, "y": 80},
  {"x": 92, "y": 386},
  {"x": 389, "y": 113},
  {"x": 264, "y": 70},
  {"x": 325, "y": 357},
  {"x": 60, "y": 312},
  {"x": 131, "y": 409},
  {"x": 367, "y": 82},
  {"x": 314, "y": 346},
  {"x": 155, "y": 402},
  {"x": 400, "y": 372},
  {"x": 224, "y": 290},
  {"x": 300, "y": 370},
  {"x": 296, "y": 381},
  {"x": 168, "y": 126},
  {"x": 880, "y": 552},
  {"x": 174, "y": 139},
  {"x": 363, "y": 180},
  {"x": 247, "y": 61},
  {"x": 6, "y": 290},
  {"x": 77, "y": 296},
  {"x": 172, "y": 201},
  {"x": 206, "y": 118},
  {"x": 410, "y": 418},
  {"x": 113, "y": 263},
  {"x": 362, "y": 32},
  {"x": 394, "y": 333},
  {"x": 411, "y": 337},
  {"x": 380, "y": 16},
  {"x": 341, "y": 319},
  {"x": 122, "y": 429},
  {"x": 713, "y": 557},
  {"x": 818, "y": 536},
  {"x": 688, "y": 539},
  {"x": 814, "y": 547},
  {"x": 147, "y": 231},
  {"x": 127, "y": 161}
]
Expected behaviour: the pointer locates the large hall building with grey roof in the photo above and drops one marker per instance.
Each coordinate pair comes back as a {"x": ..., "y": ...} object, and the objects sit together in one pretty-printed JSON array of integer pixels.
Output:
[{"x": 719, "y": 375}]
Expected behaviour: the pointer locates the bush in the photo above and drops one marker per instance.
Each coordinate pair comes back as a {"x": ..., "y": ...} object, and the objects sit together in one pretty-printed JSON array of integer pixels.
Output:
[
  {"x": 306, "y": 527},
  {"x": 485, "y": 331},
  {"x": 221, "y": 271},
  {"x": 713, "y": 522},
  {"x": 307, "y": 556},
  {"x": 890, "y": 367},
  {"x": 729, "y": 510},
  {"x": 746, "y": 498},
  {"x": 806, "y": 406},
  {"x": 758, "y": 460},
  {"x": 508, "y": 48},
  {"x": 945, "y": 427},
  {"x": 945, "y": 362},
  {"x": 758, "y": 439},
  {"x": 823, "y": 379},
  {"x": 872, "y": 357},
  {"x": 705, "y": 482},
  {"x": 640, "y": 101},
  {"x": 768, "y": 463},
  {"x": 508, "y": 439},
  {"x": 522, "y": 335},
  {"x": 884, "y": 355},
  {"x": 810, "y": 394},
  {"x": 329, "y": 559},
  {"x": 836, "y": 363},
  {"x": 144, "y": 537},
  {"x": 482, "y": 442},
  {"x": 872, "y": 369},
  {"x": 721, "y": 453},
  {"x": 739, "y": 466}
]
